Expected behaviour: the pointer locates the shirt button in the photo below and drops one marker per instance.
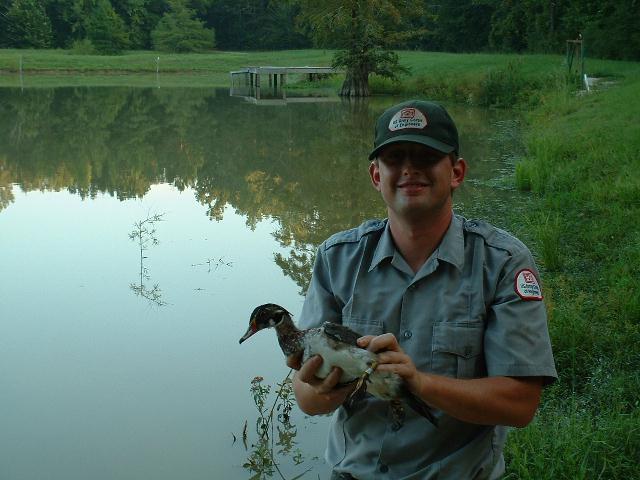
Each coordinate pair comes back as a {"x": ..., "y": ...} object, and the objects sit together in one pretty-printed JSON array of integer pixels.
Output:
[
  {"x": 407, "y": 334},
  {"x": 384, "y": 468}
]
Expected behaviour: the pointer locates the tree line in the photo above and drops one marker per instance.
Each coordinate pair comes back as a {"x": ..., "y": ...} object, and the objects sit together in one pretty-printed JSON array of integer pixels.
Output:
[{"x": 609, "y": 27}]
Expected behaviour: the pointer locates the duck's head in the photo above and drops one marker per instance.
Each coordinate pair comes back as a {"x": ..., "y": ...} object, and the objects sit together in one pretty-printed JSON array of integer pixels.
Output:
[{"x": 265, "y": 316}]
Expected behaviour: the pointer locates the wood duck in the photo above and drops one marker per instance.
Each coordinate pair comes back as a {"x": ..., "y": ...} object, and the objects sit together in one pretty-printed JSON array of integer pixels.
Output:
[{"x": 337, "y": 346}]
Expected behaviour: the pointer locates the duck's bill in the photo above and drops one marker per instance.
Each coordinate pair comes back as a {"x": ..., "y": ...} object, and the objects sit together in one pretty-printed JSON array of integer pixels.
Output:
[{"x": 250, "y": 331}]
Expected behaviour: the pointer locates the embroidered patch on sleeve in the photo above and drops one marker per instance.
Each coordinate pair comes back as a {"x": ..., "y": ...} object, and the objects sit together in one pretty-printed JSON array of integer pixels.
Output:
[{"x": 527, "y": 286}]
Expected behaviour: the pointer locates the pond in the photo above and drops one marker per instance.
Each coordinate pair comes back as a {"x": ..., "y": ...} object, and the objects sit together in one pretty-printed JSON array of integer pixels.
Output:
[{"x": 138, "y": 230}]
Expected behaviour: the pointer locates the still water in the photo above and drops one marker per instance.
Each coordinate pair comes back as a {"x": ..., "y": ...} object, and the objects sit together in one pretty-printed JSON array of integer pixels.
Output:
[{"x": 138, "y": 230}]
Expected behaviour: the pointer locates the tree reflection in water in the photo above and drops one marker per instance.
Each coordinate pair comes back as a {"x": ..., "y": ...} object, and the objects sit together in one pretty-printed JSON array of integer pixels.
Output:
[
  {"x": 302, "y": 168},
  {"x": 303, "y": 165}
]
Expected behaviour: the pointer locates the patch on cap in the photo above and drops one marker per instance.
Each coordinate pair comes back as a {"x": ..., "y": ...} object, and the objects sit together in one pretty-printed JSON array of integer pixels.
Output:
[
  {"x": 527, "y": 286},
  {"x": 408, "y": 117}
]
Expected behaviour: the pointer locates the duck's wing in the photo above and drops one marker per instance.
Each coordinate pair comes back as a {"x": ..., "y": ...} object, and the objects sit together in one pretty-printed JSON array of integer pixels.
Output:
[{"x": 340, "y": 333}]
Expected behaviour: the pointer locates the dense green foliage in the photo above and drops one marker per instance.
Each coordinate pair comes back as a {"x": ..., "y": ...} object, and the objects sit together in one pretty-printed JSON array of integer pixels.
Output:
[
  {"x": 105, "y": 29},
  {"x": 179, "y": 31},
  {"x": 256, "y": 24},
  {"x": 609, "y": 27},
  {"x": 27, "y": 23}
]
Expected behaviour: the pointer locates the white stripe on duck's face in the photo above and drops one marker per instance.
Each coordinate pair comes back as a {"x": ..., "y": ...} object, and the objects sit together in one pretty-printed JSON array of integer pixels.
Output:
[
  {"x": 268, "y": 315},
  {"x": 265, "y": 316}
]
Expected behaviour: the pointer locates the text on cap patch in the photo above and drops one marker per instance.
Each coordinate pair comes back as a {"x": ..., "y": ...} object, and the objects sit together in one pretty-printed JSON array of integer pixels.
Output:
[{"x": 407, "y": 118}]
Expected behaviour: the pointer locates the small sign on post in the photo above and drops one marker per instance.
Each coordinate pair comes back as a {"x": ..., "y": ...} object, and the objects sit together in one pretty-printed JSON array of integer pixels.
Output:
[{"x": 575, "y": 48}]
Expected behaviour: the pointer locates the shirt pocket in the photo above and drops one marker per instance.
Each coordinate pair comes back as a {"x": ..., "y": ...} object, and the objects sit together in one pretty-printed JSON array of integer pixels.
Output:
[
  {"x": 363, "y": 326},
  {"x": 458, "y": 349}
]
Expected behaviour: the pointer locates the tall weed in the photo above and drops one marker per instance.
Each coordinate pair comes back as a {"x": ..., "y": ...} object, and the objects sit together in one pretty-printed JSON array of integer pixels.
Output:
[
  {"x": 505, "y": 87},
  {"x": 548, "y": 231}
]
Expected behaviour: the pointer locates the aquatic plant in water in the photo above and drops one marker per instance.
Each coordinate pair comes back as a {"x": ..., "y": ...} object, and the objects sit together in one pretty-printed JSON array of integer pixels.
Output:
[
  {"x": 144, "y": 234},
  {"x": 262, "y": 461}
]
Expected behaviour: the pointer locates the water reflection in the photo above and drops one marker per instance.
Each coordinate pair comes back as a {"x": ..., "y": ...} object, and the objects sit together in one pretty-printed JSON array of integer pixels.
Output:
[
  {"x": 304, "y": 165},
  {"x": 247, "y": 193}
]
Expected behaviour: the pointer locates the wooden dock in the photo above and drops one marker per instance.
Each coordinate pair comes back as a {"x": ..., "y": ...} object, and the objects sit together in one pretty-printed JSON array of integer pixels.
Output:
[
  {"x": 284, "y": 100},
  {"x": 251, "y": 75}
]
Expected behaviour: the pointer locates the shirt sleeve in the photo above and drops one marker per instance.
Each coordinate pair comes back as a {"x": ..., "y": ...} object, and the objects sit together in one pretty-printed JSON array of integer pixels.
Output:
[
  {"x": 320, "y": 304},
  {"x": 516, "y": 340}
]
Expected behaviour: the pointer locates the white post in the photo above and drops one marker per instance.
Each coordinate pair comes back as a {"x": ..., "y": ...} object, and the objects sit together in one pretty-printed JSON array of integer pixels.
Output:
[
  {"x": 21, "y": 79},
  {"x": 158, "y": 72}
]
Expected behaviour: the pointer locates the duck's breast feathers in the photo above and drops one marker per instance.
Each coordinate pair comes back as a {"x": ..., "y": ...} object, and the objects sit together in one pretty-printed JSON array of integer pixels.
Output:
[{"x": 340, "y": 333}]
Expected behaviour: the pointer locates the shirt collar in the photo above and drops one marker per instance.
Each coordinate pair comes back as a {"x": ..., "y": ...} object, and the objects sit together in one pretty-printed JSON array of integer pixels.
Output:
[
  {"x": 385, "y": 248},
  {"x": 451, "y": 248}
]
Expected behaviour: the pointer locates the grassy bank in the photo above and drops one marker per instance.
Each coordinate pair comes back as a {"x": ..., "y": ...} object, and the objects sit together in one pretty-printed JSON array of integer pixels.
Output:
[
  {"x": 63, "y": 67},
  {"x": 582, "y": 167}
]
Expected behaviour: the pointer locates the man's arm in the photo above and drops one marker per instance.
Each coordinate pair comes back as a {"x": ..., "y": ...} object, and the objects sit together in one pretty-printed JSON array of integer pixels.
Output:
[{"x": 488, "y": 401}]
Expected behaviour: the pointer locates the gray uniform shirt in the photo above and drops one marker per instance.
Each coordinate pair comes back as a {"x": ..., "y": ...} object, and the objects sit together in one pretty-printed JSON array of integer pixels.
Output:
[{"x": 473, "y": 310}]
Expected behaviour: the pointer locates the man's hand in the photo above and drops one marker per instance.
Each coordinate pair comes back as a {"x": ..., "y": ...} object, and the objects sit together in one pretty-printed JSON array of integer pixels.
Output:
[
  {"x": 487, "y": 401},
  {"x": 314, "y": 395},
  {"x": 391, "y": 358}
]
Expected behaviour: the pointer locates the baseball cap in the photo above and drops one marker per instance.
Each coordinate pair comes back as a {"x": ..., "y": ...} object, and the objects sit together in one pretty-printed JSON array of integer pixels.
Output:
[{"x": 417, "y": 121}]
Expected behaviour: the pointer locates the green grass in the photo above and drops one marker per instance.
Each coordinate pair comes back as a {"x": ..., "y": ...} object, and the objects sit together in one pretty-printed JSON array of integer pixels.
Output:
[
  {"x": 582, "y": 169},
  {"x": 573, "y": 443},
  {"x": 145, "y": 61},
  {"x": 63, "y": 67}
]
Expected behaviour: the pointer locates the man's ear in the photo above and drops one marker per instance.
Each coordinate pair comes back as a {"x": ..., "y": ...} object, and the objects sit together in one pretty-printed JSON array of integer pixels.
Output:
[
  {"x": 374, "y": 173},
  {"x": 458, "y": 172}
]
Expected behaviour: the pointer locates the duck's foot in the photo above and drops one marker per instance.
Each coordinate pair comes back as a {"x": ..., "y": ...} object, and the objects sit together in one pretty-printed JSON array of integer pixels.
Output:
[
  {"x": 397, "y": 414},
  {"x": 361, "y": 385}
]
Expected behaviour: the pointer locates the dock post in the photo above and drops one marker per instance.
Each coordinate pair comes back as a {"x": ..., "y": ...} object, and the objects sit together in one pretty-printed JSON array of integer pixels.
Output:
[{"x": 283, "y": 82}]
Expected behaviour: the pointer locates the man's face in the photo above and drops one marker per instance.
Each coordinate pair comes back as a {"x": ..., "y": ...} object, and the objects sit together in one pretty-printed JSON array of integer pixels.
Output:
[{"x": 416, "y": 181}]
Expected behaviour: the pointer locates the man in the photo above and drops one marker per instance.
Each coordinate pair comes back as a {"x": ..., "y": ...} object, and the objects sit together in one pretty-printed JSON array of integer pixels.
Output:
[{"x": 452, "y": 306}]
